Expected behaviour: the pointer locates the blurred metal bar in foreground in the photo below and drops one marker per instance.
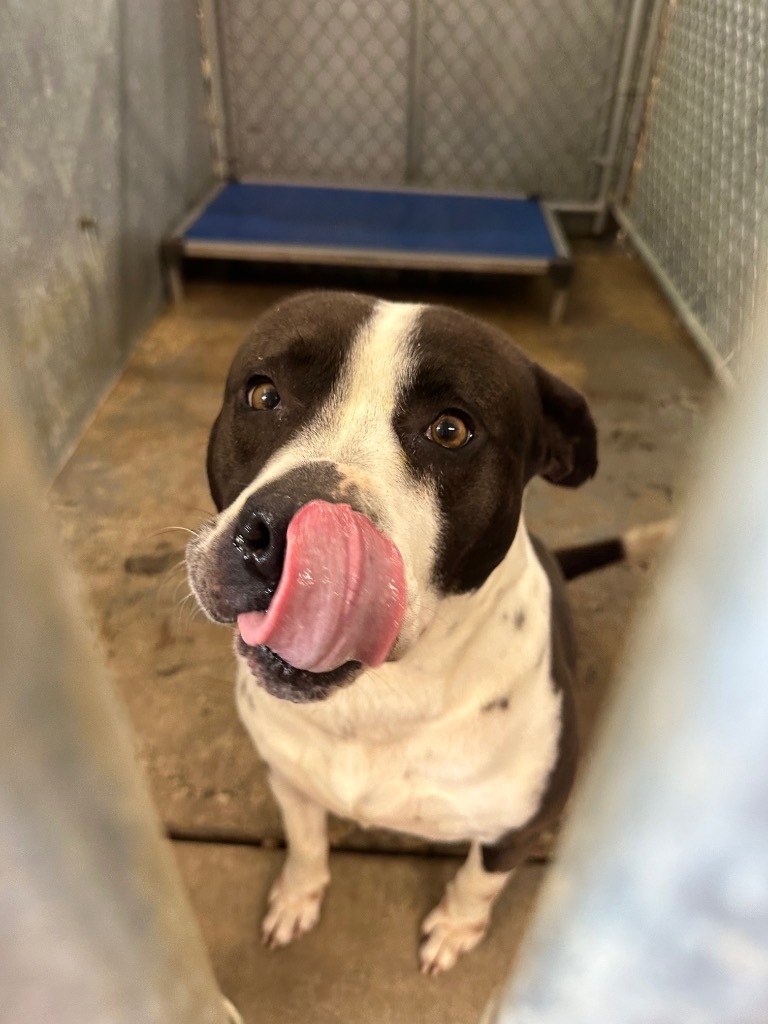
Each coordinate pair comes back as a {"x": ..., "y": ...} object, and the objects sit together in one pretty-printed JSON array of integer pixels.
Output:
[
  {"x": 94, "y": 924},
  {"x": 657, "y": 910}
]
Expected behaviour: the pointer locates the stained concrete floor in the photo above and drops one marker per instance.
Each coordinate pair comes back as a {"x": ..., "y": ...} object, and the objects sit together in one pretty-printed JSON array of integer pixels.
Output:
[{"x": 137, "y": 481}]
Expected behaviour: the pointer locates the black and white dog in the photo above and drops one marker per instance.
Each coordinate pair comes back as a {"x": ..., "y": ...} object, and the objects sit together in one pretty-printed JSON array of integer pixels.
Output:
[{"x": 405, "y": 654}]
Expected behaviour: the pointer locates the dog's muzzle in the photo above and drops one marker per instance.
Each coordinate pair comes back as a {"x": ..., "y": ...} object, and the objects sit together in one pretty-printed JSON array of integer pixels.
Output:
[
  {"x": 318, "y": 585},
  {"x": 341, "y": 595}
]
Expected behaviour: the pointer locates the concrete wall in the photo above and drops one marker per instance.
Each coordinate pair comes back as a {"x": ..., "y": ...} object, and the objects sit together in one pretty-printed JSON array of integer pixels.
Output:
[{"x": 102, "y": 146}]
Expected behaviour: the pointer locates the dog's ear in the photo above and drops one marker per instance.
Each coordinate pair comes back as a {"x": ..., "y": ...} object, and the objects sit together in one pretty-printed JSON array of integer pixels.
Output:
[{"x": 567, "y": 446}]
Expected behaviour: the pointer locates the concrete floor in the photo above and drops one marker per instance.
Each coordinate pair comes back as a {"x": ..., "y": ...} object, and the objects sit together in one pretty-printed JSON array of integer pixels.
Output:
[{"x": 139, "y": 471}]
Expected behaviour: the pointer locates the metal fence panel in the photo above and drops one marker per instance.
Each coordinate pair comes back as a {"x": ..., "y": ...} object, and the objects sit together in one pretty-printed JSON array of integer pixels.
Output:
[
  {"x": 490, "y": 95},
  {"x": 518, "y": 95},
  {"x": 316, "y": 89},
  {"x": 698, "y": 200}
]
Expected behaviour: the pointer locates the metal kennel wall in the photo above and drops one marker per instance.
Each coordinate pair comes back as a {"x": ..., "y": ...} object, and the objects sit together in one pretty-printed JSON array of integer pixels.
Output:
[
  {"x": 492, "y": 95},
  {"x": 694, "y": 189}
]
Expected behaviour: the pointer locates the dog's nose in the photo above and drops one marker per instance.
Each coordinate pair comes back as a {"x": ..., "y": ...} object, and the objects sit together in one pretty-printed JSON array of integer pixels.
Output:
[
  {"x": 253, "y": 538},
  {"x": 260, "y": 533}
]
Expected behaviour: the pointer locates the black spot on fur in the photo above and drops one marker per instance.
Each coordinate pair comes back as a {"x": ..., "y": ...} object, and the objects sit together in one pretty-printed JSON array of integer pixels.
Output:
[
  {"x": 499, "y": 704},
  {"x": 520, "y": 619}
]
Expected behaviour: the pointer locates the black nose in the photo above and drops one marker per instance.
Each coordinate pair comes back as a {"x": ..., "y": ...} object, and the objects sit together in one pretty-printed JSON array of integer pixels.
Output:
[{"x": 260, "y": 533}]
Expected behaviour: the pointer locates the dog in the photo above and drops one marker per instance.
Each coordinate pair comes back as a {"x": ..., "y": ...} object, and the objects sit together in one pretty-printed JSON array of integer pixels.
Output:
[{"x": 405, "y": 654}]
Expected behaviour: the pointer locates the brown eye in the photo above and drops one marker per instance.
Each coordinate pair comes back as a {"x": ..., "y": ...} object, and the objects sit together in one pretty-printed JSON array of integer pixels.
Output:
[
  {"x": 263, "y": 395},
  {"x": 449, "y": 431}
]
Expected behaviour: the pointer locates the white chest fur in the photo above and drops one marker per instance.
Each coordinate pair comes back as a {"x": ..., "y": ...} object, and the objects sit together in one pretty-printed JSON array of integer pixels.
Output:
[{"x": 455, "y": 740}]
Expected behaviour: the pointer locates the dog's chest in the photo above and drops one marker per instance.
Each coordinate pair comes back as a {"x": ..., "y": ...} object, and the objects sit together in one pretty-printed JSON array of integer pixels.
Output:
[{"x": 474, "y": 771}]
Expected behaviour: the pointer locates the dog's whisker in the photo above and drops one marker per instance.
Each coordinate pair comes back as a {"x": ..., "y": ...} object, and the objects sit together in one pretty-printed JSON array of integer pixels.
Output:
[
  {"x": 180, "y": 602},
  {"x": 205, "y": 511},
  {"x": 169, "y": 529},
  {"x": 172, "y": 578},
  {"x": 194, "y": 613},
  {"x": 174, "y": 570},
  {"x": 181, "y": 507},
  {"x": 185, "y": 612},
  {"x": 177, "y": 589}
]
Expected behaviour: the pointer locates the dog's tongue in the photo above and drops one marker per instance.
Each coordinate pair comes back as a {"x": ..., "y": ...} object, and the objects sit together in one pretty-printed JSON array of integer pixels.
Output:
[{"x": 341, "y": 596}]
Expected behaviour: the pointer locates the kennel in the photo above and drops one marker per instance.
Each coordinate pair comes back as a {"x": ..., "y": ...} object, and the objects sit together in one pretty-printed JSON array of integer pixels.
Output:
[{"x": 652, "y": 112}]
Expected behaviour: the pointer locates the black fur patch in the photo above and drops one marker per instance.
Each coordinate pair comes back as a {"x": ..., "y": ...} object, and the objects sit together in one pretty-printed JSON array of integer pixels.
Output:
[
  {"x": 524, "y": 421},
  {"x": 301, "y": 345}
]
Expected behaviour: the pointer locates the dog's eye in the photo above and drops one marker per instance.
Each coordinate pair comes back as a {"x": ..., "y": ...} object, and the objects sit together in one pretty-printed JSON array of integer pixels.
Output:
[
  {"x": 263, "y": 394},
  {"x": 449, "y": 430}
]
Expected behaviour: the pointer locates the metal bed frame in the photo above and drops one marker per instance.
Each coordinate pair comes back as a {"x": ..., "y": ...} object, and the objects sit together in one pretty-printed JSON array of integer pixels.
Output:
[{"x": 407, "y": 229}]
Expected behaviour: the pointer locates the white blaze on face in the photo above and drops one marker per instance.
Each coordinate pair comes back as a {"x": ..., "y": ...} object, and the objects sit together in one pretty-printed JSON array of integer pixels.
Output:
[
  {"x": 354, "y": 430},
  {"x": 366, "y": 447}
]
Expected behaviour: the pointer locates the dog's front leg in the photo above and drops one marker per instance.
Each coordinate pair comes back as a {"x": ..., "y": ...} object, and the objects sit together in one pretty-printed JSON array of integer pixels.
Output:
[
  {"x": 459, "y": 921},
  {"x": 295, "y": 898}
]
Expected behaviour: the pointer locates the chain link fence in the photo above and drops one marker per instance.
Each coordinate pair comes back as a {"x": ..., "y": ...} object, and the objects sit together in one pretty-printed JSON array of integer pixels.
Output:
[
  {"x": 494, "y": 95},
  {"x": 518, "y": 95},
  {"x": 697, "y": 200}
]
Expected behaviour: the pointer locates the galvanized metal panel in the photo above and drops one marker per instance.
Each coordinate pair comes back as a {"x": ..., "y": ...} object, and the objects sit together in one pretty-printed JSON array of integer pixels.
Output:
[
  {"x": 699, "y": 199},
  {"x": 103, "y": 145},
  {"x": 94, "y": 923}
]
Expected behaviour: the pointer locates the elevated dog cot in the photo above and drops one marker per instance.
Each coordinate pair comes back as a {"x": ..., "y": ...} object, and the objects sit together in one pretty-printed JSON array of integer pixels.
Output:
[{"x": 401, "y": 229}]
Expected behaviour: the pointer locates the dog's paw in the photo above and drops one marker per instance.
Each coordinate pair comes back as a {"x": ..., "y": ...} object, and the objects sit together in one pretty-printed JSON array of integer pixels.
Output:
[
  {"x": 446, "y": 937},
  {"x": 290, "y": 914}
]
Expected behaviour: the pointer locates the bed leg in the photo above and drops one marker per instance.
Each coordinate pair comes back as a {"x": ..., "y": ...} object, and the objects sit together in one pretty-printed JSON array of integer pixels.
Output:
[
  {"x": 560, "y": 274},
  {"x": 557, "y": 306},
  {"x": 174, "y": 280}
]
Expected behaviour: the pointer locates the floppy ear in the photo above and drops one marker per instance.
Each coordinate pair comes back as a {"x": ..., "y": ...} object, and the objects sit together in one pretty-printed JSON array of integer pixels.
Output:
[{"x": 568, "y": 441}]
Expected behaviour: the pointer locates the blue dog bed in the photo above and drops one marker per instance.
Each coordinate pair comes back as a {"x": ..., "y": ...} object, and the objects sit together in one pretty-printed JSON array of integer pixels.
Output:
[{"x": 403, "y": 228}]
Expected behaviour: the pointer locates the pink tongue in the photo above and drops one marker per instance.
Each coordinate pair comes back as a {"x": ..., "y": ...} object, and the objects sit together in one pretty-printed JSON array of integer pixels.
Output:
[{"x": 341, "y": 596}]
